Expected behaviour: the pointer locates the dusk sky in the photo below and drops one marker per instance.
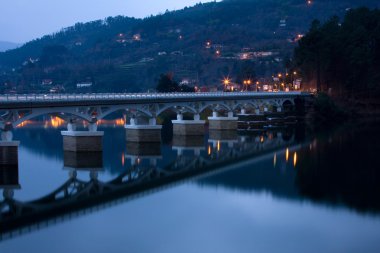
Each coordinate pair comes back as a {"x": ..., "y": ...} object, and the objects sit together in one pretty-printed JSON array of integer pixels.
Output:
[{"x": 24, "y": 20}]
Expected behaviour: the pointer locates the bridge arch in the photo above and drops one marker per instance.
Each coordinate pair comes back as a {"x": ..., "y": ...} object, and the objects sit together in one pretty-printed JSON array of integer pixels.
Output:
[
  {"x": 172, "y": 107},
  {"x": 124, "y": 108},
  {"x": 288, "y": 105},
  {"x": 213, "y": 104},
  {"x": 37, "y": 113}
]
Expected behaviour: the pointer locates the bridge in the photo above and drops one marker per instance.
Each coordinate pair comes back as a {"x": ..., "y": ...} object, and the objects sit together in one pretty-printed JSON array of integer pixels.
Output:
[
  {"x": 15, "y": 109},
  {"x": 140, "y": 110}
]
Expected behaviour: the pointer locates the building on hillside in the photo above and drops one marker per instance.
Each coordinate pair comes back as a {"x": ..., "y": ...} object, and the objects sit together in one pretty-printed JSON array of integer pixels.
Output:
[
  {"x": 57, "y": 89},
  {"x": 84, "y": 85},
  {"x": 46, "y": 82}
]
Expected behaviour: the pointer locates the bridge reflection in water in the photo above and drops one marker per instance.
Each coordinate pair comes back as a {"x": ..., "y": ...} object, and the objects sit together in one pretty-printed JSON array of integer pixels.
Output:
[{"x": 195, "y": 156}]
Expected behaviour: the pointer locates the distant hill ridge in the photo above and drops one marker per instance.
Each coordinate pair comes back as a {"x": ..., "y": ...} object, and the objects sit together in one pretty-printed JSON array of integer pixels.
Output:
[{"x": 6, "y": 45}]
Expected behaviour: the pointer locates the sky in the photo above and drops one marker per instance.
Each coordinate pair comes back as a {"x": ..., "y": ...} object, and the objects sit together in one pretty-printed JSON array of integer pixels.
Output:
[{"x": 24, "y": 20}]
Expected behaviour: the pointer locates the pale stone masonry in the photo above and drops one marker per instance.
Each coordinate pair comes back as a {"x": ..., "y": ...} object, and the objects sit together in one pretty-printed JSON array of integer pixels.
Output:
[
  {"x": 9, "y": 153},
  {"x": 188, "y": 128},
  {"x": 222, "y": 124},
  {"x": 143, "y": 135},
  {"x": 82, "y": 141}
]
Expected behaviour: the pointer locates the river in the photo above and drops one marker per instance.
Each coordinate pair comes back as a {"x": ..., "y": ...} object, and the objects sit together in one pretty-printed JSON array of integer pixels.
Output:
[{"x": 293, "y": 190}]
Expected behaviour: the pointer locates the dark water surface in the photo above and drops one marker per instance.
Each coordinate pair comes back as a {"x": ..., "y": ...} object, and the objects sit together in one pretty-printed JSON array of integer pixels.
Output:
[{"x": 285, "y": 191}]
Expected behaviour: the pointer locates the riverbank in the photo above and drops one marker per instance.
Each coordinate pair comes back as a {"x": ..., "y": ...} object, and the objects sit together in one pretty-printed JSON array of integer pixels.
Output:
[{"x": 327, "y": 110}]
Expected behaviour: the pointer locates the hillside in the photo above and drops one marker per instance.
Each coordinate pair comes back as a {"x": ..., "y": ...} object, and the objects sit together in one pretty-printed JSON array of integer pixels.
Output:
[
  {"x": 6, "y": 45},
  {"x": 199, "y": 45}
]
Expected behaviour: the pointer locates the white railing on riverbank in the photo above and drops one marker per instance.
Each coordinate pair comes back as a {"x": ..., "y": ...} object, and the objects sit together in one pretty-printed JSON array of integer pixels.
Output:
[{"x": 27, "y": 98}]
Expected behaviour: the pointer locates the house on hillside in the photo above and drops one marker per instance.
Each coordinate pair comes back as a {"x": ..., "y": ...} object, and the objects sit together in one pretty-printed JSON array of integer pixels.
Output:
[
  {"x": 84, "y": 85},
  {"x": 46, "y": 82},
  {"x": 282, "y": 23}
]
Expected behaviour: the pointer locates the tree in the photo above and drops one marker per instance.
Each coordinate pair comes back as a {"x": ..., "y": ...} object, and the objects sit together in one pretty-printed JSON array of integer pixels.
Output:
[
  {"x": 343, "y": 56},
  {"x": 167, "y": 84}
]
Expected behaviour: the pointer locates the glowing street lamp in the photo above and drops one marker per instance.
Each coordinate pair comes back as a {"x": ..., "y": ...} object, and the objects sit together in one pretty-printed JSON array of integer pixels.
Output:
[
  {"x": 226, "y": 81},
  {"x": 247, "y": 83}
]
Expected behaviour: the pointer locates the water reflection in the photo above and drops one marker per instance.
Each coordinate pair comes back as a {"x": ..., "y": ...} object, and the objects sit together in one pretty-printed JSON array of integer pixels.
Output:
[
  {"x": 341, "y": 169},
  {"x": 142, "y": 166},
  {"x": 324, "y": 175}
]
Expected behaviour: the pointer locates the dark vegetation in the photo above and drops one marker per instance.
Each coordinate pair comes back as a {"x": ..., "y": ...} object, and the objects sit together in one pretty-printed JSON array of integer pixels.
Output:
[
  {"x": 166, "y": 83},
  {"x": 342, "y": 59},
  {"x": 127, "y": 54}
]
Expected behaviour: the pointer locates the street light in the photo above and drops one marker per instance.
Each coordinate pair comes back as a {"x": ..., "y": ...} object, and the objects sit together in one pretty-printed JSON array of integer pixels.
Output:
[
  {"x": 226, "y": 82},
  {"x": 247, "y": 83}
]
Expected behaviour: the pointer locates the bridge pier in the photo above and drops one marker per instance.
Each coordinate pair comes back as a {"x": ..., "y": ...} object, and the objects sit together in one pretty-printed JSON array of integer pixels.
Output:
[
  {"x": 144, "y": 148},
  {"x": 83, "y": 160},
  {"x": 257, "y": 111},
  {"x": 8, "y": 149},
  {"x": 193, "y": 127},
  {"x": 8, "y": 162},
  {"x": 194, "y": 143},
  {"x": 82, "y": 141},
  {"x": 9, "y": 180},
  {"x": 222, "y": 123},
  {"x": 143, "y": 133}
]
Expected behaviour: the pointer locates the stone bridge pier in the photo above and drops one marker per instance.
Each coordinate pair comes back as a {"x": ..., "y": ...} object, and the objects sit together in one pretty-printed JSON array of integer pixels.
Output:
[
  {"x": 8, "y": 149},
  {"x": 194, "y": 127},
  {"x": 184, "y": 143},
  {"x": 217, "y": 122},
  {"x": 143, "y": 133},
  {"x": 82, "y": 141}
]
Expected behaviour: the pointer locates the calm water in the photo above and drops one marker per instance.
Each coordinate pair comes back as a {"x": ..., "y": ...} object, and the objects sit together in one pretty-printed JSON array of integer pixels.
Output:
[{"x": 285, "y": 191}]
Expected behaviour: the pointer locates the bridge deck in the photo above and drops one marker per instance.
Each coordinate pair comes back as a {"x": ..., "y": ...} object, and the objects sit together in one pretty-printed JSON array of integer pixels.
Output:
[{"x": 58, "y": 100}]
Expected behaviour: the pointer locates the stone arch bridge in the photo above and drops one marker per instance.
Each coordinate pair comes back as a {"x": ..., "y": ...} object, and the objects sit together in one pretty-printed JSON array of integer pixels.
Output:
[
  {"x": 142, "y": 110},
  {"x": 15, "y": 109}
]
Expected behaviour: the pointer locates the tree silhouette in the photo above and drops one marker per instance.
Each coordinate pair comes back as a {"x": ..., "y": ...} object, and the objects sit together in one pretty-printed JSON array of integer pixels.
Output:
[{"x": 167, "y": 84}]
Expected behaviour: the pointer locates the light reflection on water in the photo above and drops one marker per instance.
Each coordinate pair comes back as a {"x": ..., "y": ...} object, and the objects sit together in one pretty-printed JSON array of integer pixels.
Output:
[{"x": 263, "y": 205}]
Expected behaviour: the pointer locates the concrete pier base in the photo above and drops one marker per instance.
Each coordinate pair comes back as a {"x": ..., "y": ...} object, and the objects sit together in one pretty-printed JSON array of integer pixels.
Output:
[
  {"x": 223, "y": 123},
  {"x": 188, "y": 127},
  {"x": 83, "y": 160},
  {"x": 191, "y": 143},
  {"x": 143, "y": 149},
  {"x": 9, "y": 176},
  {"x": 9, "y": 154},
  {"x": 143, "y": 133},
  {"x": 223, "y": 135},
  {"x": 82, "y": 141}
]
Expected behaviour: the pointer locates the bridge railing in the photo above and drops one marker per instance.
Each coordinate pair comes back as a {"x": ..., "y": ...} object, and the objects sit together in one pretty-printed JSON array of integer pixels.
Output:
[{"x": 135, "y": 96}]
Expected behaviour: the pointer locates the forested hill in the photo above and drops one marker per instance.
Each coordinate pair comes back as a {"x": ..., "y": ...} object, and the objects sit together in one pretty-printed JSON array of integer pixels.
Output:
[{"x": 199, "y": 44}]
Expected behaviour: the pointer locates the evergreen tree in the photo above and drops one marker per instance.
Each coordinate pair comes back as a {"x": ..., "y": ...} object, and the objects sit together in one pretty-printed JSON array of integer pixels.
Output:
[{"x": 167, "y": 84}]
